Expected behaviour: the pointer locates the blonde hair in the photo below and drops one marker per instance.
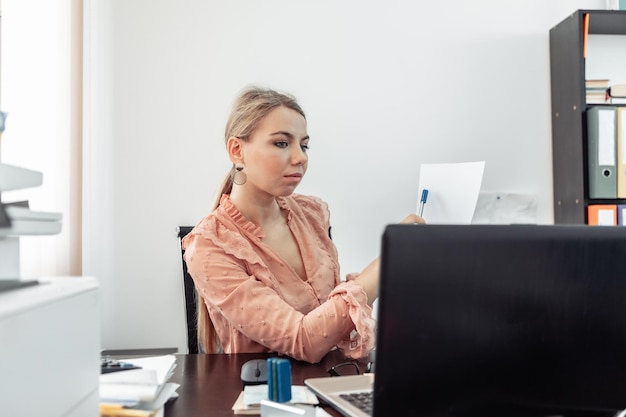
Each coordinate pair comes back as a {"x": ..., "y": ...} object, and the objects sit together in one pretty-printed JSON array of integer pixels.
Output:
[{"x": 250, "y": 107}]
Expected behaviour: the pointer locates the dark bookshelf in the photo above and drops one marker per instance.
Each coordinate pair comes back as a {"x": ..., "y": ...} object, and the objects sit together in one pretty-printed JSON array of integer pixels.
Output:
[{"x": 567, "y": 88}]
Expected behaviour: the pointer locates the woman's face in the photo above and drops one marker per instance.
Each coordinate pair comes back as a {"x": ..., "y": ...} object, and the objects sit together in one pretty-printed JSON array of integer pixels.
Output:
[{"x": 275, "y": 155}]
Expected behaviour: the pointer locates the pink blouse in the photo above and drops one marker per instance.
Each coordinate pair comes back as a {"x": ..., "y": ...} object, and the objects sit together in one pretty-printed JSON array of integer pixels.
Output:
[{"x": 256, "y": 300}]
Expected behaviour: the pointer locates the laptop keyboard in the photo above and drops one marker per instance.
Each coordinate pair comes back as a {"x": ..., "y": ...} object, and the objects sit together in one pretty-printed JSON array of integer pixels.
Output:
[{"x": 364, "y": 401}]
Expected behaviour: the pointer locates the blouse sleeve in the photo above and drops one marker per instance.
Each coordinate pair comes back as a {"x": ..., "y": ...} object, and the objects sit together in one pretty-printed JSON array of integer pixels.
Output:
[{"x": 242, "y": 291}]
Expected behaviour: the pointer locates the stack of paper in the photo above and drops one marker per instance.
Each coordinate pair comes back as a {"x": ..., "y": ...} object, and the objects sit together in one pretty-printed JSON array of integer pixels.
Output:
[
  {"x": 138, "y": 390},
  {"x": 249, "y": 401}
]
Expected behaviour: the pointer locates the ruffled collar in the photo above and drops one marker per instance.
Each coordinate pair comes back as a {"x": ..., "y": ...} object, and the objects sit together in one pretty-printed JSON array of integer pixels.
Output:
[
  {"x": 241, "y": 221},
  {"x": 282, "y": 203}
]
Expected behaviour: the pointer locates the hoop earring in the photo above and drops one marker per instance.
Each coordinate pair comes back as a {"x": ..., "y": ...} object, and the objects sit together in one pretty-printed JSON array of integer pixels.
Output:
[{"x": 239, "y": 177}]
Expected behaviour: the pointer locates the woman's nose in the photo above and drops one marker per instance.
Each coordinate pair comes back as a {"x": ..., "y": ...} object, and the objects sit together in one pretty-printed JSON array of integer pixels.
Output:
[{"x": 299, "y": 156}]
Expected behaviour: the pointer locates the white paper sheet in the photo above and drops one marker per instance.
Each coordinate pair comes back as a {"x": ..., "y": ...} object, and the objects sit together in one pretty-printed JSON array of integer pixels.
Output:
[
  {"x": 505, "y": 208},
  {"x": 135, "y": 385},
  {"x": 452, "y": 191}
]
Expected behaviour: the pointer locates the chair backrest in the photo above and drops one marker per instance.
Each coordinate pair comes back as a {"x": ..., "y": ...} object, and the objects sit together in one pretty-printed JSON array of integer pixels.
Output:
[{"x": 190, "y": 296}]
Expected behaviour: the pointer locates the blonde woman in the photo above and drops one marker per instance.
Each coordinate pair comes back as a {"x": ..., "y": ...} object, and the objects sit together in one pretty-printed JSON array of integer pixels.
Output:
[{"x": 263, "y": 262}]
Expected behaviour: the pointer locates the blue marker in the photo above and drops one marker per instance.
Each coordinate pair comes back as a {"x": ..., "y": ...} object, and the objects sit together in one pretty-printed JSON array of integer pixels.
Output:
[{"x": 423, "y": 201}]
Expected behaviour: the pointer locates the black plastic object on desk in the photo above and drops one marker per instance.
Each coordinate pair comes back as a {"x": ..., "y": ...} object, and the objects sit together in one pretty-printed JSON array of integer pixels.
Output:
[{"x": 108, "y": 365}]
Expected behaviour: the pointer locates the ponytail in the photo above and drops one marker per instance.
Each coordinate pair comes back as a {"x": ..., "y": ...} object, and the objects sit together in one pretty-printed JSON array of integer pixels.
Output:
[{"x": 208, "y": 339}]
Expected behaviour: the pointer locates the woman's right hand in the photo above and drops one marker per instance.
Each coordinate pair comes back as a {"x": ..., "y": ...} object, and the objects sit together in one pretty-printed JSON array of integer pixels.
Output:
[{"x": 413, "y": 218}]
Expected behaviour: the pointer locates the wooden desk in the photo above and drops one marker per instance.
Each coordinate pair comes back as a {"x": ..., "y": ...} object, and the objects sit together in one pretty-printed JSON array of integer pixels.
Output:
[{"x": 210, "y": 384}]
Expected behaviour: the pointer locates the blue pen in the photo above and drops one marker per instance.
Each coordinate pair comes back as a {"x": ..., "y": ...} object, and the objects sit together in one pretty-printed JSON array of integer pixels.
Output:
[{"x": 423, "y": 201}]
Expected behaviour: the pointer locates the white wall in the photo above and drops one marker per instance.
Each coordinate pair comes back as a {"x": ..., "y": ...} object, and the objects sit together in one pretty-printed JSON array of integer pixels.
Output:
[{"x": 387, "y": 86}]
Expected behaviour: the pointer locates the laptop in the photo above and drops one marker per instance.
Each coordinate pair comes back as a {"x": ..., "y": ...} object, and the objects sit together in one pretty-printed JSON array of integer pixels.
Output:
[{"x": 496, "y": 320}]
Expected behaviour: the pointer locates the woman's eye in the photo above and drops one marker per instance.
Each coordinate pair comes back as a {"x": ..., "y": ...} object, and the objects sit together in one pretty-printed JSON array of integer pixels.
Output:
[
  {"x": 282, "y": 144},
  {"x": 305, "y": 147}
]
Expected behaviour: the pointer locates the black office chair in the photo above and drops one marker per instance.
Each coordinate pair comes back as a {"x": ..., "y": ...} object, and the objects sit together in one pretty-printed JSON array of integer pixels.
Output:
[{"x": 190, "y": 296}]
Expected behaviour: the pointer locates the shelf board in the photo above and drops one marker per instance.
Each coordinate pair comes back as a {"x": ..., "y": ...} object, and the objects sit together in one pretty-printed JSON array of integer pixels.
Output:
[{"x": 606, "y": 22}]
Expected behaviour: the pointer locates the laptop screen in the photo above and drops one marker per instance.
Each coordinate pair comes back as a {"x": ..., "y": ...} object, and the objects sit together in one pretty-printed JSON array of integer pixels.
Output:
[{"x": 493, "y": 319}]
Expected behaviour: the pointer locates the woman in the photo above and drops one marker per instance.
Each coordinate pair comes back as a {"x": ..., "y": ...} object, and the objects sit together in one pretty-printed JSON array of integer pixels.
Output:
[{"x": 263, "y": 263}]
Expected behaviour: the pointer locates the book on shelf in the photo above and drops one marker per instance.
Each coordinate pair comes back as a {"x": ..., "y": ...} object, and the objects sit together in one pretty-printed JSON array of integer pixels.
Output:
[
  {"x": 597, "y": 83},
  {"x": 596, "y": 91},
  {"x": 597, "y": 97},
  {"x": 616, "y": 91}
]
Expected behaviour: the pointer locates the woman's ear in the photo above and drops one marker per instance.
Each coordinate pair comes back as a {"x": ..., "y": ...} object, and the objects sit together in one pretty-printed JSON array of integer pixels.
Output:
[{"x": 234, "y": 146}]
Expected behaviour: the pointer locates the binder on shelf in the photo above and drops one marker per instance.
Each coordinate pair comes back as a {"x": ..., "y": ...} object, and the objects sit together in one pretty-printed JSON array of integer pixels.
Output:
[
  {"x": 601, "y": 138},
  {"x": 621, "y": 151},
  {"x": 621, "y": 214},
  {"x": 602, "y": 215}
]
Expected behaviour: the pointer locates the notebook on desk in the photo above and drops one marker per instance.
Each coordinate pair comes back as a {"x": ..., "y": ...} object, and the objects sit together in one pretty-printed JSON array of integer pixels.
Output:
[{"x": 496, "y": 320}]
